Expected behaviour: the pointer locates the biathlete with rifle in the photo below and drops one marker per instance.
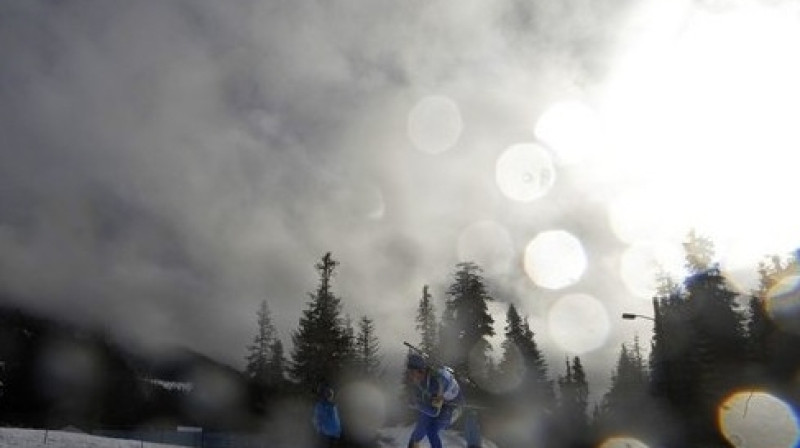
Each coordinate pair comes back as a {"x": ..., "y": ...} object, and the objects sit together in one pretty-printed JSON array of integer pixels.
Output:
[{"x": 436, "y": 396}]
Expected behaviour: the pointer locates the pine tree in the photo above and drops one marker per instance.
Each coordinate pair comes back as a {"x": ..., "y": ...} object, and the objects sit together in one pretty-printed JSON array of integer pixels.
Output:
[
  {"x": 277, "y": 365},
  {"x": 761, "y": 331},
  {"x": 348, "y": 345},
  {"x": 625, "y": 405},
  {"x": 699, "y": 252},
  {"x": 426, "y": 323},
  {"x": 671, "y": 340},
  {"x": 522, "y": 362},
  {"x": 466, "y": 322},
  {"x": 772, "y": 327},
  {"x": 367, "y": 348},
  {"x": 322, "y": 343},
  {"x": 541, "y": 384},
  {"x": 718, "y": 337},
  {"x": 512, "y": 363},
  {"x": 581, "y": 388},
  {"x": 673, "y": 370},
  {"x": 573, "y": 403},
  {"x": 260, "y": 351}
]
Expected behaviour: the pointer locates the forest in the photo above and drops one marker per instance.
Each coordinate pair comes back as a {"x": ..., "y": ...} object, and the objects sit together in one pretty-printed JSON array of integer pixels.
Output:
[{"x": 710, "y": 342}]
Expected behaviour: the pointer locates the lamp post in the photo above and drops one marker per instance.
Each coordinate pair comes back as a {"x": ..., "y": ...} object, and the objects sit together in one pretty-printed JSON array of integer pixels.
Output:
[{"x": 632, "y": 316}]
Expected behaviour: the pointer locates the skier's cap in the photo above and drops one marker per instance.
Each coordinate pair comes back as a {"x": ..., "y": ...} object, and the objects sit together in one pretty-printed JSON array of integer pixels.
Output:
[{"x": 415, "y": 361}]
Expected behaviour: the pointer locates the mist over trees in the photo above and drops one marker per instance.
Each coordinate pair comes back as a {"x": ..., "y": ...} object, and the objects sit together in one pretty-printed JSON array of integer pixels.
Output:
[{"x": 709, "y": 341}]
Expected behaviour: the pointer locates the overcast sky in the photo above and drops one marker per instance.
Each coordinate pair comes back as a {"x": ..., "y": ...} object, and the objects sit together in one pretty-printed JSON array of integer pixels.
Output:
[{"x": 165, "y": 166}]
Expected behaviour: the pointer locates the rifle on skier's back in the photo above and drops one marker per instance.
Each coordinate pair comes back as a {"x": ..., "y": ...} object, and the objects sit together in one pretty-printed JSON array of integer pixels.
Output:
[{"x": 436, "y": 363}]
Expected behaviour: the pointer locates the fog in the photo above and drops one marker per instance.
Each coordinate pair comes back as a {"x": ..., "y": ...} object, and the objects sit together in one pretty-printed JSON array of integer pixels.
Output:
[{"x": 164, "y": 167}]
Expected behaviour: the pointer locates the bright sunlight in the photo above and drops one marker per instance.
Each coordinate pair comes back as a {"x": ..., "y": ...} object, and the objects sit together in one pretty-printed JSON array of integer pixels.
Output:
[{"x": 703, "y": 109}]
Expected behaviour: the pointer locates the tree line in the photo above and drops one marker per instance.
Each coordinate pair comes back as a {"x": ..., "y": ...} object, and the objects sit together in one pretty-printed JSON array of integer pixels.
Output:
[
  {"x": 709, "y": 341},
  {"x": 328, "y": 350}
]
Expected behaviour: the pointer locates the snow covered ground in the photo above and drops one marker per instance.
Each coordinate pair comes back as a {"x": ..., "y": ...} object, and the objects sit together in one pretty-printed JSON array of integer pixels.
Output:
[
  {"x": 396, "y": 437},
  {"x": 37, "y": 438}
]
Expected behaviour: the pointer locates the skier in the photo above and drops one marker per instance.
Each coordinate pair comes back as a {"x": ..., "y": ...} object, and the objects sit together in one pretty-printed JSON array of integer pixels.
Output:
[
  {"x": 326, "y": 418},
  {"x": 437, "y": 398}
]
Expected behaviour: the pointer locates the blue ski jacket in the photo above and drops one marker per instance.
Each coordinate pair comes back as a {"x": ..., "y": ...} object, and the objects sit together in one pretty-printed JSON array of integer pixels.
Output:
[
  {"x": 326, "y": 419},
  {"x": 437, "y": 390}
]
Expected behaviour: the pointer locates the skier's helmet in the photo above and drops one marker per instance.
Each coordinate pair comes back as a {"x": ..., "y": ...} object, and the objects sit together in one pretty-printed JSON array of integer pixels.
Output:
[{"x": 415, "y": 362}]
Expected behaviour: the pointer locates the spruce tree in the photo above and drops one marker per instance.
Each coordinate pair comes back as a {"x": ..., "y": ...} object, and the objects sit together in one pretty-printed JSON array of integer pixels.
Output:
[
  {"x": 348, "y": 345},
  {"x": 426, "y": 323},
  {"x": 699, "y": 251},
  {"x": 718, "y": 337},
  {"x": 573, "y": 404},
  {"x": 322, "y": 343},
  {"x": 762, "y": 332},
  {"x": 541, "y": 384},
  {"x": 277, "y": 365},
  {"x": 673, "y": 370},
  {"x": 625, "y": 405},
  {"x": 522, "y": 362},
  {"x": 466, "y": 322},
  {"x": 367, "y": 349},
  {"x": 772, "y": 326},
  {"x": 671, "y": 338},
  {"x": 580, "y": 392},
  {"x": 259, "y": 354},
  {"x": 513, "y": 365}
]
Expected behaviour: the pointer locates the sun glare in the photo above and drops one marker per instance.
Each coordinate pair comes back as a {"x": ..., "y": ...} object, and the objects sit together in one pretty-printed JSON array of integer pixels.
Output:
[
  {"x": 525, "y": 172},
  {"x": 700, "y": 115},
  {"x": 642, "y": 262},
  {"x": 754, "y": 418},
  {"x": 578, "y": 323},
  {"x": 783, "y": 303},
  {"x": 571, "y": 129},
  {"x": 555, "y": 259},
  {"x": 435, "y": 124}
]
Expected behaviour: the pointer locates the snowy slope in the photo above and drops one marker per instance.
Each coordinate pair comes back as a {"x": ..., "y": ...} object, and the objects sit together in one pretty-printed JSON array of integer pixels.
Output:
[
  {"x": 396, "y": 437},
  {"x": 35, "y": 438}
]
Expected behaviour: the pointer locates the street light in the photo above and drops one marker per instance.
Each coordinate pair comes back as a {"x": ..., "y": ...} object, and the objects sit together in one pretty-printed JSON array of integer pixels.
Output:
[{"x": 631, "y": 316}]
